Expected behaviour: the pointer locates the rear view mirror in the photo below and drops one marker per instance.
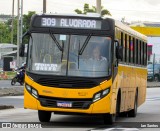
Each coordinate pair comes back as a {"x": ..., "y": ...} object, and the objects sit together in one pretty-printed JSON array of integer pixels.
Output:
[
  {"x": 119, "y": 52},
  {"x": 25, "y": 39}
]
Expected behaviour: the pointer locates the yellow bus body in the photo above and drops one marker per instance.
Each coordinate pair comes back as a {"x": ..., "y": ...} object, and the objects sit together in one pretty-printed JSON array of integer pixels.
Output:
[{"x": 128, "y": 79}]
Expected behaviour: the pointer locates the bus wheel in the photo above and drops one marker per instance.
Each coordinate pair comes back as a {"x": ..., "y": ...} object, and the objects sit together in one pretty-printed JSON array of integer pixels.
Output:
[
  {"x": 109, "y": 119},
  {"x": 123, "y": 114},
  {"x": 133, "y": 112},
  {"x": 44, "y": 116}
]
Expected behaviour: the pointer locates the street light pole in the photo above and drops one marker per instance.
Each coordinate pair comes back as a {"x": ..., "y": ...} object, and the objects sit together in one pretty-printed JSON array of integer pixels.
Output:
[
  {"x": 44, "y": 6},
  {"x": 98, "y": 6},
  {"x": 18, "y": 30},
  {"x": 21, "y": 25},
  {"x": 12, "y": 22}
]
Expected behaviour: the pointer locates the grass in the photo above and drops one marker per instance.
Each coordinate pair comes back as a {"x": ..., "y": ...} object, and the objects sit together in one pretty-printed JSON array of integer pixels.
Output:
[{"x": 7, "y": 75}]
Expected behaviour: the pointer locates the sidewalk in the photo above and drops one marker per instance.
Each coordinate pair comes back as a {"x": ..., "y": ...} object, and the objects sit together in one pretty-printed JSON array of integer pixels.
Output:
[
  {"x": 153, "y": 84},
  {"x": 13, "y": 91}
]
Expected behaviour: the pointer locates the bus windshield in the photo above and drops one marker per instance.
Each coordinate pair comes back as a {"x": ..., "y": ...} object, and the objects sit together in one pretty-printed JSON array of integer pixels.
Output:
[{"x": 70, "y": 55}]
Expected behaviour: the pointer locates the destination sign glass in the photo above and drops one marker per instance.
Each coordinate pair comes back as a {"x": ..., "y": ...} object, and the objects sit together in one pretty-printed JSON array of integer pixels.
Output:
[{"x": 71, "y": 23}]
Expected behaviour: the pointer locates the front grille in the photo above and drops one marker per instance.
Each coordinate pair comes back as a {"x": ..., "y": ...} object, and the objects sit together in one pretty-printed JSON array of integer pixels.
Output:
[
  {"x": 61, "y": 82},
  {"x": 76, "y": 103}
]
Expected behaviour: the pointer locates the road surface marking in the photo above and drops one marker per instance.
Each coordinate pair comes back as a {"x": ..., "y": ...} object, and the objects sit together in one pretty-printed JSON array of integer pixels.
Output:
[{"x": 118, "y": 129}]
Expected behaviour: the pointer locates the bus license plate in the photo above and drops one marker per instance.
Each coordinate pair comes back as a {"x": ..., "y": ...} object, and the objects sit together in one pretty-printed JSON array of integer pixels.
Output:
[{"x": 64, "y": 104}]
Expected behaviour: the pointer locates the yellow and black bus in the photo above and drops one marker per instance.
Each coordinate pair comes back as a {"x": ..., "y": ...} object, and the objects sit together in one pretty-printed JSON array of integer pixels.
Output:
[{"x": 79, "y": 64}]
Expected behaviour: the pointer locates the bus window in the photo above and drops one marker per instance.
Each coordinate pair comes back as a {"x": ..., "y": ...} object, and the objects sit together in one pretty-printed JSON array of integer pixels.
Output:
[
  {"x": 144, "y": 53},
  {"x": 134, "y": 51},
  {"x": 128, "y": 42},
  {"x": 48, "y": 58},
  {"x": 140, "y": 52},
  {"x": 131, "y": 47},
  {"x": 126, "y": 53},
  {"x": 137, "y": 51},
  {"x": 95, "y": 61},
  {"x": 123, "y": 45}
]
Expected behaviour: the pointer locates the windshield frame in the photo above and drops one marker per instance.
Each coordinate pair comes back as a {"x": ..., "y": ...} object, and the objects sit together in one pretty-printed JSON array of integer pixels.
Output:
[{"x": 81, "y": 34}]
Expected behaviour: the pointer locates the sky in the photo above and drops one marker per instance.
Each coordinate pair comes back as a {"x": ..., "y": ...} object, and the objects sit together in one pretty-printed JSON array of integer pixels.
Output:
[{"x": 131, "y": 10}]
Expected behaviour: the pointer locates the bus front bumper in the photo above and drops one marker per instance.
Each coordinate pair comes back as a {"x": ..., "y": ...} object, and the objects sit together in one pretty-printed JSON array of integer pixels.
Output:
[{"x": 99, "y": 107}]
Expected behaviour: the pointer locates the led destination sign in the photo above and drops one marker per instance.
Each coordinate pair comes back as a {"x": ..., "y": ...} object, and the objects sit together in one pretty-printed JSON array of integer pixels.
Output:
[{"x": 71, "y": 23}]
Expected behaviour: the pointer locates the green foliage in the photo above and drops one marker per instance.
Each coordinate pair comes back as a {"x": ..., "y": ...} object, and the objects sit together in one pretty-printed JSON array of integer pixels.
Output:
[
  {"x": 27, "y": 20},
  {"x": 5, "y": 35},
  {"x": 5, "y": 28},
  {"x": 87, "y": 9}
]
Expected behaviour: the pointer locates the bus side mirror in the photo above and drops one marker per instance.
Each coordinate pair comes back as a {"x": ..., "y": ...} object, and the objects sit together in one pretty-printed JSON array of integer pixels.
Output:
[
  {"x": 119, "y": 52},
  {"x": 22, "y": 46}
]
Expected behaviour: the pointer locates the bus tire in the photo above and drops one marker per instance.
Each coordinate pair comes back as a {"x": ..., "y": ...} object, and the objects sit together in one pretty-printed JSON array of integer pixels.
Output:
[
  {"x": 133, "y": 112},
  {"x": 44, "y": 116},
  {"x": 123, "y": 114},
  {"x": 109, "y": 119}
]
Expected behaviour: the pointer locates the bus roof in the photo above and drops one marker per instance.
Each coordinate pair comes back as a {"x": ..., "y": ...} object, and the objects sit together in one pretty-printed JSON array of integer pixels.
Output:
[{"x": 129, "y": 30}]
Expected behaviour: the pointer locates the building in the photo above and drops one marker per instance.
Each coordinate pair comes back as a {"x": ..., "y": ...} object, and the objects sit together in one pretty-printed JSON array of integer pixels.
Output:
[
  {"x": 152, "y": 31},
  {"x": 8, "y": 50},
  {"x": 4, "y": 18}
]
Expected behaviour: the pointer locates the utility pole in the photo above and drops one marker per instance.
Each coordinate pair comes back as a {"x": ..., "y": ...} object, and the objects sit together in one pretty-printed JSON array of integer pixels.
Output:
[
  {"x": 44, "y": 6},
  {"x": 18, "y": 30},
  {"x": 98, "y": 6},
  {"x": 19, "y": 27},
  {"x": 12, "y": 22}
]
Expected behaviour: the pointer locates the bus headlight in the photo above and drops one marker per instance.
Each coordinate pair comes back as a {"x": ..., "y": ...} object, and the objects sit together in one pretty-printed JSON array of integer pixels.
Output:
[
  {"x": 101, "y": 94},
  {"x": 32, "y": 91},
  {"x": 29, "y": 89}
]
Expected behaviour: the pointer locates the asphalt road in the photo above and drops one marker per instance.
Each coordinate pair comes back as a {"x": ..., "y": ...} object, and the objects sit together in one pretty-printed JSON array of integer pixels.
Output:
[
  {"x": 16, "y": 101},
  {"x": 148, "y": 112},
  {"x": 7, "y": 84}
]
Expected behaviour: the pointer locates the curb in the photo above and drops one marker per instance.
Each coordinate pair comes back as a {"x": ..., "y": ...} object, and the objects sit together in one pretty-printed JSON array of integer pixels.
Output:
[{"x": 2, "y": 107}]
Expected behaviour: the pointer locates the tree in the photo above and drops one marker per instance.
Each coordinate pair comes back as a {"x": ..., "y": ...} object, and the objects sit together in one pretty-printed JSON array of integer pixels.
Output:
[
  {"x": 5, "y": 28},
  {"x": 27, "y": 20},
  {"x": 87, "y": 9},
  {"x": 5, "y": 33}
]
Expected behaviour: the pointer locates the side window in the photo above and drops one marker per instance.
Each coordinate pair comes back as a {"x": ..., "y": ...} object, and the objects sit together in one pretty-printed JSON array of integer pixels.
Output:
[
  {"x": 126, "y": 48},
  {"x": 144, "y": 54},
  {"x": 123, "y": 45},
  {"x": 137, "y": 51},
  {"x": 131, "y": 48},
  {"x": 134, "y": 51},
  {"x": 141, "y": 52}
]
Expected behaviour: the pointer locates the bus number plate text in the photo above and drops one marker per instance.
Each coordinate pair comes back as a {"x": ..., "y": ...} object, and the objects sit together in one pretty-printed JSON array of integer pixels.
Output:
[{"x": 64, "y": 104}]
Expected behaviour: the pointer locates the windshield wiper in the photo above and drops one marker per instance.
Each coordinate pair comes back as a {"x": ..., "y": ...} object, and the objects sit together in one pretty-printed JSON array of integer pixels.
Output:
[
  {"x": 56, "y": 42},
  {"x": 62, "y": 50},
  {"x": 85, "y": 44}
]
